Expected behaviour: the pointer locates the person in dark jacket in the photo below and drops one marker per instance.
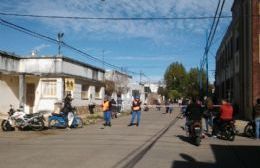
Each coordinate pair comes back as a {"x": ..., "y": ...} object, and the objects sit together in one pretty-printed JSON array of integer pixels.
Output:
[
  {"x": 67, "y": 104},
  {"x": 194, "y": 111},
  {"x": 113, "y": 108},
  {"x": 257, "y": 118},
  {"x": 136, "y": 110}
]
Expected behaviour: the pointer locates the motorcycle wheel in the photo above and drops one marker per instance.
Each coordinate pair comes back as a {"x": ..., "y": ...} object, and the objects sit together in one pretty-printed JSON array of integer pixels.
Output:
[
  {"x": 249, "y": 131},
  {"x": 229, "y": 133},
  {"x": 6, "y": 126},
  {"x": 40, "y": 126},
  {"x": 80, "y": 122},
  {"x": 197, "y": 141}
]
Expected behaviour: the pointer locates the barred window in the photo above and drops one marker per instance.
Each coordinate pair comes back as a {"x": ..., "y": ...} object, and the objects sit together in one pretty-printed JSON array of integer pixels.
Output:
[{"x": 49, "y": 88}]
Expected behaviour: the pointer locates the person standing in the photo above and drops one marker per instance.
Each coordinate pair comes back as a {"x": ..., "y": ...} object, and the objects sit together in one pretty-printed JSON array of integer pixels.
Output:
[
  {"x": 119, "y": 104},
  {"x": 136, "y": 110},
  {"x": 106, "y": 108},
  {"x": 257, "y": 118},
  {"x": 208, "y": 114},
  {"x": 166, "y": 106},
  {"x": 170, "y": 106},
  {"x": 113, "y": 108}
]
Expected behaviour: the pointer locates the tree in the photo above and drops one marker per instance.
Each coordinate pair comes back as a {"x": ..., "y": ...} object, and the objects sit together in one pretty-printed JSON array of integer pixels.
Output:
[
  {"x": 193, "y": 83},
  {"x": 175, "y": 77},
  {"x": 180, "y": 83},
  {"x": 109, "y": 87}
]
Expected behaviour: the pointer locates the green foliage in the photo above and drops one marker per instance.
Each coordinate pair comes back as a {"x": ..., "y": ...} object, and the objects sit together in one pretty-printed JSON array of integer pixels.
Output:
[
  {"x": 175, "y": 77},
  {"x": 180, "y": 83},
  {"x": 173, "y": 94}
]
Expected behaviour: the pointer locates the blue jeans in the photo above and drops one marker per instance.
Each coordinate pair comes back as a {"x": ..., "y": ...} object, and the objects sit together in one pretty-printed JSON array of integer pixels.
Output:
[
  {"x": 257, "y": 128},
  {"x": 107, "y": 117},
  {"x": 134, "y": 113},
  {"x": 208, "y": 122}
]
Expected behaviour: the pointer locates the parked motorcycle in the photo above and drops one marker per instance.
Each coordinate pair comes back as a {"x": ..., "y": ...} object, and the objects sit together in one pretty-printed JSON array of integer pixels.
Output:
[
  {"x": 227, "y": 131},
  {"x": 195, "y": 131},
  {"x": 62, "y": 120},
  {"x": 249, "y": 130},
  {"x": 21, "y": 120}
]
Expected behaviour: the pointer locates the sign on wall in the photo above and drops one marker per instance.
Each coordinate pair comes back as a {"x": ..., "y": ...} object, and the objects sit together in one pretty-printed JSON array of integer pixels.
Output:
[{"x": 69, "y": 84}]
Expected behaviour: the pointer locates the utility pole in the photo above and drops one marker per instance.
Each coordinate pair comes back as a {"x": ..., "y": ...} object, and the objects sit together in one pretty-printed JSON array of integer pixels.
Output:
[
  {"x": 140, "y": 76},
  {"x": 207, "y": 68},
  {"x": 103, "y": 58},
  {"x": 60, "y": 35}
]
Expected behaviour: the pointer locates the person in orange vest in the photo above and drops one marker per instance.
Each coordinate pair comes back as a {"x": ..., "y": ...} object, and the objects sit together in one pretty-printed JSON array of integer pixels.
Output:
[
  {"x": 136, "y": 110},
  {"x": 106, "y": 108}
]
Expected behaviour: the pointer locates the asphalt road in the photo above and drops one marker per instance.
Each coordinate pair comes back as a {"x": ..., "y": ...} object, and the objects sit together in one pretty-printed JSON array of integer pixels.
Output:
[{"x": 159, "y": 142}]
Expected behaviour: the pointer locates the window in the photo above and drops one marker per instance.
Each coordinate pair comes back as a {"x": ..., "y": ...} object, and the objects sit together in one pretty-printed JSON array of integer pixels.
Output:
[
  {"x": 84, "y": 91},
  {"x": 49, "y": 88},
  {"x": 97, "y": 92},
  {"x": 237, "y": 43},
  {"x": 95, "y": 75}
]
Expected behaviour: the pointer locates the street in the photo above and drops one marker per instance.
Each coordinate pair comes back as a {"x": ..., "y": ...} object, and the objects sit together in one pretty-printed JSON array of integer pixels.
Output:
[{"x": 159, "y": 142}]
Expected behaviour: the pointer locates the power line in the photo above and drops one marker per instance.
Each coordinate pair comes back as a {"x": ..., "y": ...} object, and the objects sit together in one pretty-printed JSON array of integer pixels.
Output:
[
  {"x": 209, "y": 42},
  {"x": 114, "y": 18},
  {"x": 52, "y": 40}
]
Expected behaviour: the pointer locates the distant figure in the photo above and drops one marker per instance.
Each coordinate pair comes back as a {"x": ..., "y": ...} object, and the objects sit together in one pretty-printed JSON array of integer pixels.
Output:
[
  {"x": 136, "y": 110},
  {"x": 113, "y": 108},
  {"x": 166, "y": 106},
  {"x": 119, "y": 104},
  {"x": 257, "y": 118},
  {"x": 170, "y": 106},
  {"x": 158, "y": 106}
]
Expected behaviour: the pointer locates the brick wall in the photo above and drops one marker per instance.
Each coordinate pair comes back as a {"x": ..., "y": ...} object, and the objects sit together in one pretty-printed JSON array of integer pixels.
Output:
[{"x": 255, "y": 50}]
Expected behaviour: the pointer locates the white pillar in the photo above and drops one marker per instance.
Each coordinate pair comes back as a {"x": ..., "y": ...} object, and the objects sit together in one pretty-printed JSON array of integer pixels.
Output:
[{"x": 22, "y": 89}]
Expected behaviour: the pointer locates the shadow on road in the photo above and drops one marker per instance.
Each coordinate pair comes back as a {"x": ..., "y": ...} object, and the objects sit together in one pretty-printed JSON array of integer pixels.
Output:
[
  {"x": 186, "y": 139},
  {"x": 225, "y": 156}
]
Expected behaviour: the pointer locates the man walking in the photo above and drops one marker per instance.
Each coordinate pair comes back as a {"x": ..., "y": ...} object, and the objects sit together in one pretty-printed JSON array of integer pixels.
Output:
[{"x": 136, "y": 110}]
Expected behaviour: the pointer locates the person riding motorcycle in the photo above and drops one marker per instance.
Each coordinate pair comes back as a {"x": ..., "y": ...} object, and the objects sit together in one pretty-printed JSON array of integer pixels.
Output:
[
  {"x": 194, "y": 113},
  {"x": 226, "y": 115},
  {"x": 67, "y": 104}
]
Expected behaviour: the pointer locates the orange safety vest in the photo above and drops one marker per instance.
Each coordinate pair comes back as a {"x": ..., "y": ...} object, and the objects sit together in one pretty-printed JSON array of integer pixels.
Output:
[
  {"x": 105, "y": 106},
  {"x": 136, "y": 105}
]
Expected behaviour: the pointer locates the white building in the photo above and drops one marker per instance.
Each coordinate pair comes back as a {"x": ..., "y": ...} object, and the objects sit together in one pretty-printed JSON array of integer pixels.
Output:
[
  {"x": 39, "y": 82},
  {"x": 124, "y": 89}
]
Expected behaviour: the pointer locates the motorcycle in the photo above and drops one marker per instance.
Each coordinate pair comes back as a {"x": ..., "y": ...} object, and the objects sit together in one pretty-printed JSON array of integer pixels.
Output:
[
  {"x": 195, "y": 131},
  {"x": 21, "y": 120},
  {"x": 249, "y": 130},
  {"x": 227, "y": 130},
  {"x": 63, "y": 121}
]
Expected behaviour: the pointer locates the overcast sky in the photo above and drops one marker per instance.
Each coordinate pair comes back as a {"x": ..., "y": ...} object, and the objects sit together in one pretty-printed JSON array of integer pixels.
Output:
[{"x": 144, "y": 45}]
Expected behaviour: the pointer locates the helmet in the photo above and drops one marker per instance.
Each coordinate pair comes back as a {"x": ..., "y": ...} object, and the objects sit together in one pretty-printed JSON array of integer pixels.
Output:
[{"x": 137, "y": 97}]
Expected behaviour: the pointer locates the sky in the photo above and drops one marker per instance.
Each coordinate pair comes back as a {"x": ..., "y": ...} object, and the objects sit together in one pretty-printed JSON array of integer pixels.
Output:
[{"x": 147, "y": 46}]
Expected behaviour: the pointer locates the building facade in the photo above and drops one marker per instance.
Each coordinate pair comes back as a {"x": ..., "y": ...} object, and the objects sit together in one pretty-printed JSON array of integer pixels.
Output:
[
  {"x": 238, "y": 59},
  {"x": 124, "y": 89},
  {"x": 37, "y": 83}
]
